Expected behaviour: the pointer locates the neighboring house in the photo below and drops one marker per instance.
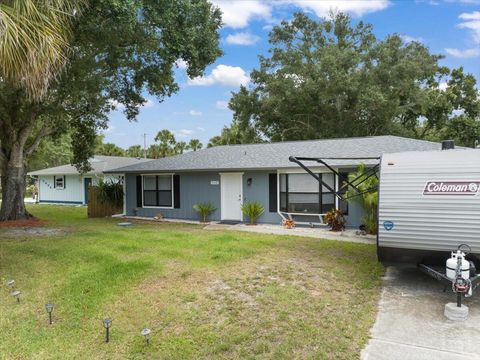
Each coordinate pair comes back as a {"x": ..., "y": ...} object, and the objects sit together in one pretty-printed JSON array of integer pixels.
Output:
[
  {"x": 64, "y": 184},
  {"x": 228, "y": 176}
]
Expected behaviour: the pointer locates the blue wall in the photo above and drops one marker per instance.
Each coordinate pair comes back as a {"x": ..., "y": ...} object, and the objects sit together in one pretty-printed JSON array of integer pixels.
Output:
[
  {"x": 258, "y": 191},
  {"x": 197, "y": 188},
  {"x": 194, "y": 188}
]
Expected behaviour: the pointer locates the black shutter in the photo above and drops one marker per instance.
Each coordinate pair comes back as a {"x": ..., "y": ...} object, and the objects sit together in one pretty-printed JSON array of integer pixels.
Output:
[
  {"x": 54, "y": 181},
  {"x": 272, "y": 192},
  {"x": 176, "y": 191},
  {"x": 64, "y": 182},
  {"x": 139, "y": 191}
]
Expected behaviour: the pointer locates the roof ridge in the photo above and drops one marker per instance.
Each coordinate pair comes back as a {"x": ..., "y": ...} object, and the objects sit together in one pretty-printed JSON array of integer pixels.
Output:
[{"x": 318, "y": 140}]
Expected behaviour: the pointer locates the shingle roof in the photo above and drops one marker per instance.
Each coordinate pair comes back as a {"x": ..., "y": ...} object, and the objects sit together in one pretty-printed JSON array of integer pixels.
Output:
[
  {"x": 99, "y": 164},
  {"x": 276, "y": 155}
]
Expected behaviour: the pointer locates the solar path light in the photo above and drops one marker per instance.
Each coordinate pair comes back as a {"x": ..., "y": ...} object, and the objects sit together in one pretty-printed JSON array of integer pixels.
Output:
[
  {"x": 107, "y": 323},
  {"x": 49, "y": 308},
  {"x": 11, "y": 283},
  {"x": 146, "y": 334},
  {"x": 16, "y": 295}
]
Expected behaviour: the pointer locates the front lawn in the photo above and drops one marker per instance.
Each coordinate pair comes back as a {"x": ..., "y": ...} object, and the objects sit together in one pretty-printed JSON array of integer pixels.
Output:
[{"x": 205, "y": 294}]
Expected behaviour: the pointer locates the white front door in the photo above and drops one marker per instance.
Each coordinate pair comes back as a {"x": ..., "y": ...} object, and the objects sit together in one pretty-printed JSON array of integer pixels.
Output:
[{"x": 231, "y": 190}]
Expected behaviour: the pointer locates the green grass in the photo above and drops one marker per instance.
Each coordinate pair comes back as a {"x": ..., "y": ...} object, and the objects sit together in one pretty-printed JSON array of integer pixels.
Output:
[{"x": 205, "y": 294}]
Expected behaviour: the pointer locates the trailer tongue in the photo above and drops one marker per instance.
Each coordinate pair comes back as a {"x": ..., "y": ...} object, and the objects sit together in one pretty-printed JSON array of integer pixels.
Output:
[{"x": 460, "y": 274}]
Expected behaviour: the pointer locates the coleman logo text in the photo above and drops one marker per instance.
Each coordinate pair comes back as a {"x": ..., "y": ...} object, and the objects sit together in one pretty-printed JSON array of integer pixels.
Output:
[{"x": 467, "y": 188}]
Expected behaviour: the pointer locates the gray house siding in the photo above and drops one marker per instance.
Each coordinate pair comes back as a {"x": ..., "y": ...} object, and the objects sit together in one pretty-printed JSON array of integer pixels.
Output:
[
  {"x": 194, "y": 188},
  {"x": 197, "y": 187},
  {"x": 259, "y": 191},
  {"x": 355, "y": 214}
]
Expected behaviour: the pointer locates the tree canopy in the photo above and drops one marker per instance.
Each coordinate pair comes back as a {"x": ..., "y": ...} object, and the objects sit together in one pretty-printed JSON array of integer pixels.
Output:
[
  {"x": 118, "y": 51},
  {"x": 332, "y": 78}
]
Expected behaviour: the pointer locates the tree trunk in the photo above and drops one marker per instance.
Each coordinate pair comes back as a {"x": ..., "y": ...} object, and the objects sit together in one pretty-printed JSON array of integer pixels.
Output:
[{"x": 13, "y": 186}]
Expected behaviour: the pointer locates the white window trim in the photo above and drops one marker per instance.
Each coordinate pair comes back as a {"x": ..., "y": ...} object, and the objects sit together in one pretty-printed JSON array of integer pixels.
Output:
[
  {"x": 173, "y": 192},
  {"x": 55, "y": 177}
]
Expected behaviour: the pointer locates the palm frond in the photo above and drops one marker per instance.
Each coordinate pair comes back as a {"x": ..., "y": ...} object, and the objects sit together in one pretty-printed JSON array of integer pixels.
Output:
[{"x": 34, "y": 42}]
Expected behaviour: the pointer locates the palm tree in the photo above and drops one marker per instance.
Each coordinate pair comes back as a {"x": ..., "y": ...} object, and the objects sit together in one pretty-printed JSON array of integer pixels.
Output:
[
  {"x": 34, "y": 42},
  {"x": 195, "y": 144},
  {"x": 180, "y": 147},
  {"x": 154, "y": 152},
  {"x": 135, "y": 151},
  {"x": 166, "y": 142}
]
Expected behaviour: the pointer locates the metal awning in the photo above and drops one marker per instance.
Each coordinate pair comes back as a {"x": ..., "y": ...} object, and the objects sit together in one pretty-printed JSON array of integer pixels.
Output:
[{"x": 370, "y": 172}]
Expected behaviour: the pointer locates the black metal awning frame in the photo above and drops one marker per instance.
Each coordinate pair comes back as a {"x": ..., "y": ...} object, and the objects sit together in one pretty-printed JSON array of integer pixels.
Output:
[{"x": 370, "y": 172}]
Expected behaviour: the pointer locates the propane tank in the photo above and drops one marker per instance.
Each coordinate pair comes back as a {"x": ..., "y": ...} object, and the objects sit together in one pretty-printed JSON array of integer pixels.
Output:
[{"x": 452, "y": 264}]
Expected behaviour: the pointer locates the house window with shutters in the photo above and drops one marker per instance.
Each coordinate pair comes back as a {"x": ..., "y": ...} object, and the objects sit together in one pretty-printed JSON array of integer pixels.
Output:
[{"x": 158, "y": 191}]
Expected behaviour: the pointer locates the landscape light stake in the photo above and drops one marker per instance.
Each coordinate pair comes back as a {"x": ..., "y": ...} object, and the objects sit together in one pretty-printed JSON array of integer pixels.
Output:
[
  {"x": 146, "y": 334},
  {"x": 49, "y": 308},
  {"x": 107, "y": 323},
  {"x": 16, "y": 295}
]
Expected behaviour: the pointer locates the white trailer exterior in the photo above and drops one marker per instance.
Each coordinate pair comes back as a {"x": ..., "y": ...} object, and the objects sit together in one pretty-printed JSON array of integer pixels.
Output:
[{"x": 429, "y": 203}]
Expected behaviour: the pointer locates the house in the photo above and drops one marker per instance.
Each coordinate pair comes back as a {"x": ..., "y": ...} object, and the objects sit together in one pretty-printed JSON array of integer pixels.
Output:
[
  {"x": 228, "y": 176},
  {"x": 65, "y": 185}
]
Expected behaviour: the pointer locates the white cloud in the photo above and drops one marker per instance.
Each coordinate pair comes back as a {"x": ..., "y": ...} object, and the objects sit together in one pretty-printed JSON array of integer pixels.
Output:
[
  {"x": 409, "y": 39},
  {"x": 443, "y": 86},
  {"x": 199, "y": 128},
  {"x": 467, "y": 53},
  {"x": 237, "y": 14},
  {"x": 242, "y": 38},
  {"x": 116, "y": 104},
  {"x": 470, "y": 16},
  {"x": 181, "y": 64},
  {"x": 354, "y": 7},
  {"x": 472, "y": 23},
  {"x": 223, "y": 75},
  {"x": 220, "y": 104},
  {"x": 195, "y": 113},
  {"x": 183, "y": 133}
]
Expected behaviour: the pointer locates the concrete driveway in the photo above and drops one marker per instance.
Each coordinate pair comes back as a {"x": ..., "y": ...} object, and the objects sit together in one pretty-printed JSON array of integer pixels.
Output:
[{"x": 410, "y": 323}]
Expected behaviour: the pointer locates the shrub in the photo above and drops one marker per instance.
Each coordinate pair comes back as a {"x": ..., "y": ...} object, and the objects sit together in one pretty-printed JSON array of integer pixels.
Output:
[
  {"x": 204, "y": 210},
  {"x": 252, "y": 210},
  {"x": 368, "y": 199},
  {"x": 335, "y": 219},
  {"x": 110, "y": 192}
]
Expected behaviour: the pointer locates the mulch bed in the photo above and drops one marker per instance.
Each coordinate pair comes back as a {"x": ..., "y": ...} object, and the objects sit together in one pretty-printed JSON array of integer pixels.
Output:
[{"x": 25, "y": 223}]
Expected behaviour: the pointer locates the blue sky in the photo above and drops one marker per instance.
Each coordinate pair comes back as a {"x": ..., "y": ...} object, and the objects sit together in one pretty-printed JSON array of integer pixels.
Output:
[{"x": 198, "y": 110}]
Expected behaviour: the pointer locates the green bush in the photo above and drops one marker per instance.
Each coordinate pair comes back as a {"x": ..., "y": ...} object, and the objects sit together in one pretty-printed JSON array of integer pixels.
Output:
[
  {"x": 110, "y": 192},
  {"x": 253, "y": 210},
  {"x": 204, "y": 210},
  {"x": 368, "y": 200}
]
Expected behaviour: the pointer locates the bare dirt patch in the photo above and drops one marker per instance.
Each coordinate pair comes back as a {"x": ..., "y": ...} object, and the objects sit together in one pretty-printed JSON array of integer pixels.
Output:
[
  {"x": 34, "y": 231},
  {"x": 32, "y": 222}
]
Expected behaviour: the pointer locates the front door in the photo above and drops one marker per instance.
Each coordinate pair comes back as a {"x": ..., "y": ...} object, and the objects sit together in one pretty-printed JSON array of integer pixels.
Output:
[
  {"x": 231, "y": 196},
  {"x": 86, "y": 183}
]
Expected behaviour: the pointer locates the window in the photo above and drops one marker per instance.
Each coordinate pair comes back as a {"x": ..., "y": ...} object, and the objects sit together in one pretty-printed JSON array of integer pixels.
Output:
[
  {"x": 59, "y": 182},
  {"x": 302, "y": 193},
  {"x": 157, "y": 190}
]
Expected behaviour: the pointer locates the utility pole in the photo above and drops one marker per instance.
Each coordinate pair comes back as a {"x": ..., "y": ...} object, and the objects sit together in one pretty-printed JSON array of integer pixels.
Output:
[{"x": 145, "y": 145}]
